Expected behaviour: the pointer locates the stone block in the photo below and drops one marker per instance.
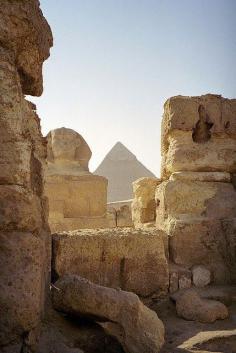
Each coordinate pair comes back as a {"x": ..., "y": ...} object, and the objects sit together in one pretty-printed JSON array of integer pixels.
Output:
[
  {"x": 143, "y": 205},
  {"x": 198, "y": 134},
  {"x": 201, "y": 276},
  {"x": 133, "y": 260}
]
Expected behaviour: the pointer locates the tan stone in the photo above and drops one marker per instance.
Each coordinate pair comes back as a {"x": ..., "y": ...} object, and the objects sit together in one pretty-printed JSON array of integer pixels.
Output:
[
  {"x": 192, "y": 213},
  {"x": 191, "y": 306},
  {"x": 198, "y": 134},
  {"x": 120, "y": 313},
  {"x": 144, "y": 205},
  {"x": 201, "y": 176},
  {"x": 79, "y": 201},
  {"x": 25, "y": 40},
  {"x": 201, "y": 276},
  {"x": 77, "y": 198},
  {"x": 180, "y": 278},
  {"x": 124, "y": 217},
  {"x": 133, "y": 260},
  {"x": 67, "y": 152},
  {"x": 186, "y": 200},
  {"x": 27, "y": 35},
  {"x": 122, "y": 213}
]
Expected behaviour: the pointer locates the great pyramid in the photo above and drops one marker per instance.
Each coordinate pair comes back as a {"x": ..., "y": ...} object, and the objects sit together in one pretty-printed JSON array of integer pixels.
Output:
[{"x": 121, "y": 167}]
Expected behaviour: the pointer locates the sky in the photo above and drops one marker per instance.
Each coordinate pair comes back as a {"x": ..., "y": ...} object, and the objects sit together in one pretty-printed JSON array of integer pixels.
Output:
[{"x": 115, "y": 62}]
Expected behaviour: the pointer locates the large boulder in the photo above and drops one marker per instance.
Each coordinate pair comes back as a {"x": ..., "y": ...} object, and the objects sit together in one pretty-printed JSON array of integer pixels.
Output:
[
  {"x": 191, "y": 306},
  {"x": 121, "y": 313},
  {"x": 198, "y": 134},
  {"x": 133, "y": 260}
]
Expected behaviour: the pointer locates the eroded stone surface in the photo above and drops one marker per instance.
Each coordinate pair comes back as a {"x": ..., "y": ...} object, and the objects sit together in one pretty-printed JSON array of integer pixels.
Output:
[
  {"x": 27, "y": 35},
  {"x": 132, "y": 260},
  {"x": 191, "y": 306},
  {"x": 201, "y": 176},
  {"x": 124, "y": 216},
  {"x": 144, "y": 205},
  {"x": 198, "y": 134},
  {"x": 67, "y": 152},
  {"x": 120, "y": 313},
  {"x": 193, "y": 213},
  {"x": 25, "y": 39},
  {"x": 77, "y": 198},
  {"x": 201, "y": 276}
]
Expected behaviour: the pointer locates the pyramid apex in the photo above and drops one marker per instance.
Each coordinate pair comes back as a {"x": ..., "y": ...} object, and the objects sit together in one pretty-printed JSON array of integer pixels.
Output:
[{"x": 121, "y": 167}]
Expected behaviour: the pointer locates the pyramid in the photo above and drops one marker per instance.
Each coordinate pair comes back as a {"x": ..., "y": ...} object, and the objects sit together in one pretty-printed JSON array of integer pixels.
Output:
[{"x": 121, "y": 168}]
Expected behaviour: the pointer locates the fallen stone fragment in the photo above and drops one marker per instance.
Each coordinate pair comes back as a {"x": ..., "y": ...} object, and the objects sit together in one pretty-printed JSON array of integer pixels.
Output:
[
  {"x": 190, "y": 306},
  {"x": 120, "y": 313},
  {"x": 201, "y": 276}
]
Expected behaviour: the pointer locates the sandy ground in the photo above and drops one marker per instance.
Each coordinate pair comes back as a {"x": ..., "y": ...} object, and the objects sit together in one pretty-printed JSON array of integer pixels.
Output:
[{"x": 188, "y": 336}]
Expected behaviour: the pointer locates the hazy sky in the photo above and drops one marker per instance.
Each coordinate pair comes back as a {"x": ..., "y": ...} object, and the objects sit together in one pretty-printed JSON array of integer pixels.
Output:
[{"x": 115, "y": 62}]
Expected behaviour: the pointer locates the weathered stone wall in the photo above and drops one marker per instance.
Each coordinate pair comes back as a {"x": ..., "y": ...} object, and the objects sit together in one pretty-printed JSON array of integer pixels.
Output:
[
  {"x": 197, "y": 199},
  {"x": 25, "y": 39},
  {"x": 133, "y": 260}
]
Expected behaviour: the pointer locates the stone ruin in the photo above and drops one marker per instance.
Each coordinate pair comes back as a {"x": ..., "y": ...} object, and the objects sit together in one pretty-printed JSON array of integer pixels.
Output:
[
  {"x": 196, "y": 201},
  {"x": 77, "y": 198},
  {"x": 185, "y": 233},
  {"x": 25, "y": 40}
]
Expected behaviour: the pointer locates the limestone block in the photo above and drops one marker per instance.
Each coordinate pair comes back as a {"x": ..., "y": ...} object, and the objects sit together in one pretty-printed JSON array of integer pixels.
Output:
[
  {"x": 188, "y": 200},
  {"x": 133, "y": 260},
  {"x": 201, "y": 276},
  {"x": 72, "y": 224},
  {"x": 19, "y": 209},
  {"x": 191, "y": 306},
  {"x": 143, "y": 205},
  {"x": 80, "y": 196},
  {"x": 124, "y": 217},
  {"x": 204, "y": 242},
  {"x": 201, "y": 176},
  {"x": 193, "y": 214},
  {"x": 198, "y": 134},
  {"x": 22, "y": 281},
  {"x": 120, "y": 313},
  {"x": 180, "y": 278}
]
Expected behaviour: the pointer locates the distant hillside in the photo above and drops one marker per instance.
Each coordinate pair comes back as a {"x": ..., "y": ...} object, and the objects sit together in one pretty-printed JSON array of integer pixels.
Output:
[{"x": 121, "y": 168}]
